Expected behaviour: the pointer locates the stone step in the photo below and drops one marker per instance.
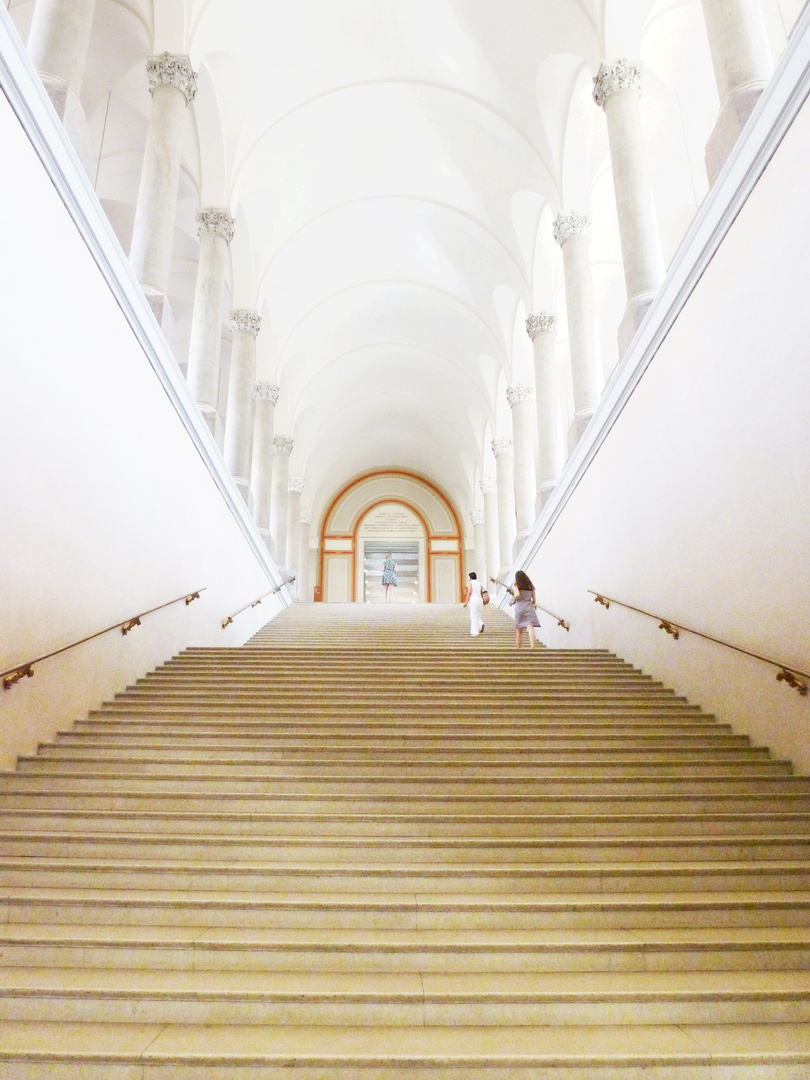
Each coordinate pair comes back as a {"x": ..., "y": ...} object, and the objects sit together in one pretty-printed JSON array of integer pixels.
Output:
[
  {"x": 405, "y": 998},
  {"x": 478, "y": 878},
  {"x": 86, "y": 1051},
  {"x": 407, "y": 851},
  {"x": 198, "y": 948},
  {"x": 741, "y": 909},
  {"x": 566, "y": 784},
  {"x": 39, "y": 796},
  {"x": 102, "y": 821}
]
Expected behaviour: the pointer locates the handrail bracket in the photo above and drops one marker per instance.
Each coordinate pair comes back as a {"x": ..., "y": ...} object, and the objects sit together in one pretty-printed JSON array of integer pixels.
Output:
[
  {"x": 25, "y": 671},
  {"x": 787, "y": 676}
]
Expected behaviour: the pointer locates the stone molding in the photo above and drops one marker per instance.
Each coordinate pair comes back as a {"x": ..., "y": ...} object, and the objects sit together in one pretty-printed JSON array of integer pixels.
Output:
[
  {"x": 295, "y": 483},
  {"x": 501, "y": 446},
  {"x": 306, "y": 517},
  {"x": 518, "y": 394},
  {"x": 215, "y": 221},
  {"x": 168, "y": 70},
  {"x": 245, "y": 319},
  {"x": 541, "y": 322},
  {"x": 572, "y": 223},
  {"x": 266, "y": 391},
  {"x": 283, "y": 443},
  {"x": 488, "y": 484},
  {"x": 613, "y": 76},
  {"x": 477, "y": 517}
]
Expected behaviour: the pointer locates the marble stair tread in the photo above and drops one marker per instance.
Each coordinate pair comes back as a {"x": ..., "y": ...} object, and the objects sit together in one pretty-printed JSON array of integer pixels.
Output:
[{"x": 289, "y": 1045}]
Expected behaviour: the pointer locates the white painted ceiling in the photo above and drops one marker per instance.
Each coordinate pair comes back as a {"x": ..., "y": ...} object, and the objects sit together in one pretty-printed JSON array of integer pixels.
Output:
[{"x": 394, "y": 167}]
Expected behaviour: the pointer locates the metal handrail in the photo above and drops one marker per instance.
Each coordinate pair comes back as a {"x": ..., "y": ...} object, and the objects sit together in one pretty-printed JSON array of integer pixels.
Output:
[
  {"x": 560, "y": 622},
  {"x": 792, "y": 676},
  {"x": 255, "y": 603},
  {"x": 26, "y": 670}
]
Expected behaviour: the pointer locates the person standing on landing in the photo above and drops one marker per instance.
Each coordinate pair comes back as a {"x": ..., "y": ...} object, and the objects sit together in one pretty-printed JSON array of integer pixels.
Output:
[
  {"x": 525, "y": 615},
  {"x": 389, "y": 578},
  {"x": 475, "y": 602}
]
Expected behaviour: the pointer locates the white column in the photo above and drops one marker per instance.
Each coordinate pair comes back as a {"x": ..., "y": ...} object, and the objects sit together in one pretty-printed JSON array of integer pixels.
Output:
[
  {"x": 295, "y": 485},
  {"x": 541, "y": 327},
  {"x": 57, "y": 48},
  {"x": 215, "y": 230},
  {"x": 477, "y": 517},
  {"x": 265, "y": 394},
  {"x": 282, "y": 448},
  {"x": 304, "y": 587},
  {"x": 489, "y": 489},
  {"x": 572, "y": 232},
  {"x": 172, "y": 84},
  {"x": 742, "y": 62},
  {"x": 507, "y": 532},
  {"x": 617, "y": 89},
  {"x": 521, "y": 401},
  {"x": 245, "y": 325}
]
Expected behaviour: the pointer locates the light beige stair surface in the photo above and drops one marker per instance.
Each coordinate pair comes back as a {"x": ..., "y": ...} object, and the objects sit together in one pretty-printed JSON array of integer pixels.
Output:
[{"x": 273, "y": 862}]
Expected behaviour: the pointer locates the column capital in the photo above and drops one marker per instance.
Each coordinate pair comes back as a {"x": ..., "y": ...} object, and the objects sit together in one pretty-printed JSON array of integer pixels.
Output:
[
  {"x": 519, "y": 394},
  {"x": 295, "y": 483},
  {"x": 283, "y": 443},
  {"x": 541, "y": 322},
  {"x": 266, "y": 391},
  {"x": 215, "y": 220},
  {"x": 477, "y": 517},
  {"x": 488, "y": 484},
  {"x": 501, "y": 446},
  {"x": 572, "y": 223},
  {"x": 613, "y": 76},
  {"x": 168, "y": 70},
  {"x": 306, "y": 517},
  {"x": 245, "y": 319}
]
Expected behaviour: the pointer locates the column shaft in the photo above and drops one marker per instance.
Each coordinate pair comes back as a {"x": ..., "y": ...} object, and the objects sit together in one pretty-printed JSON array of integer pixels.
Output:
[
  {"x": 541, "y": 328},
  {"x": 304, "y": 587},
  {"x": 491, "y": 537},
  {"x": 521, "y": 401},
  {"x": 477, "y": 517},
  {"x": 245, "y": 325},
  {"x": 172, "y": 85},
  {"x": 617, "y": 89},
  {"x": 216, "y": 232},
  {"x": 265, "y": 394},
  {"x": 295, "y": 486},
  {"x": 282, "y": 448},
  {"x": 507, "y": 531},
  {"x": 742, "y": 62}
]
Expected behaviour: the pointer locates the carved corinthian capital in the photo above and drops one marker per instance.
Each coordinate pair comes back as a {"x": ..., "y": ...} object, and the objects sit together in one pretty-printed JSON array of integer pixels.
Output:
[
  {"x": 266, "y": 391},
  {"x": 168, "y": 70},
  {"x": 477, "y": 517},
  {"x": 541, "y": 322},
  {"x": 488, "y": 484},
  {"x": 216, "y": 221},
  {"x": 519, "y": 395},
  {"x": 501, "y": 446},
  {"x": 245, "y": 319},
  {"x": 574, "y": 223},
  {"x": 613, "y": 76},
  {"x": 283, "y": 443},
  {"x": 295, "y": 483}
]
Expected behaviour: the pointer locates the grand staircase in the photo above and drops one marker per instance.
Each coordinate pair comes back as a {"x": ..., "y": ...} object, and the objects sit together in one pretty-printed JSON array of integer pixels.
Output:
[{"x": 367, "y": 845}]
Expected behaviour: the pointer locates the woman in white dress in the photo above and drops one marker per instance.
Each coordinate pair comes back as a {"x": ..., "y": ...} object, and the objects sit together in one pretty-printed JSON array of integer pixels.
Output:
[{"x": 475, "y": 603}]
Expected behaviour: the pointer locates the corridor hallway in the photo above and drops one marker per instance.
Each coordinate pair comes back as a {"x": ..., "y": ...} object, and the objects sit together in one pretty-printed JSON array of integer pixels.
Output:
[{"x": 366, "y": 845}]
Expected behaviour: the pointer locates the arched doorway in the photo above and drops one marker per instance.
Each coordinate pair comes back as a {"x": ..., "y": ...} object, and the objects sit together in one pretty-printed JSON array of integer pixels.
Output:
[{"x": 397, "y": 511}]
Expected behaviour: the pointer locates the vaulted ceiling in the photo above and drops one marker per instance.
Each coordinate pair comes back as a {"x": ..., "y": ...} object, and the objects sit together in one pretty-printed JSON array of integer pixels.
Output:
[{"x": 394, "y": 167}]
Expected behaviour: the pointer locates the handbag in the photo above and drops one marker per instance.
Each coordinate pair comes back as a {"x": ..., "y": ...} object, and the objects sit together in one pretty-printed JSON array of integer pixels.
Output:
[{"x": 485, "y": 596}]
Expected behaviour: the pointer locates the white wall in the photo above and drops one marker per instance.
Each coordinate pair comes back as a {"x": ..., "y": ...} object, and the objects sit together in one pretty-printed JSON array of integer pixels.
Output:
[
  {"x": 697, "y": 505},
  {"x": 110, "y": 502}
]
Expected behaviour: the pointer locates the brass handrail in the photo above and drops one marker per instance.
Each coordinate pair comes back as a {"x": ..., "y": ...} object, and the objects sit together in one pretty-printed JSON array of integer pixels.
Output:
[
  {"x": 255, "y": 603},
  {"x": 791, "y": 675},
  {"x": 26, "y": 670},
  {"x": 560, "y": 622}
]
